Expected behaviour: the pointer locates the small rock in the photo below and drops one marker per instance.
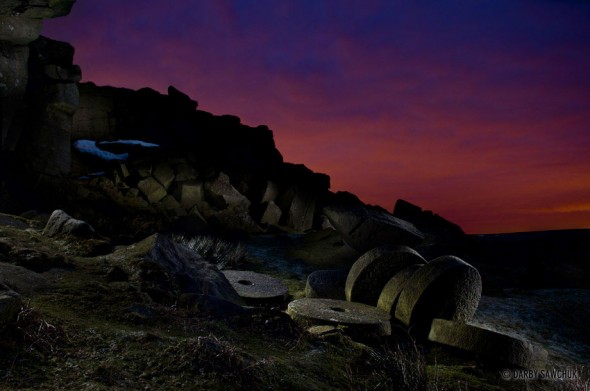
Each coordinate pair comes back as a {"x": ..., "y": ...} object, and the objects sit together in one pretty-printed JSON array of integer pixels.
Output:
[
  {"x": 60, "y": 223},
  {"x": 10, "y": 305}
]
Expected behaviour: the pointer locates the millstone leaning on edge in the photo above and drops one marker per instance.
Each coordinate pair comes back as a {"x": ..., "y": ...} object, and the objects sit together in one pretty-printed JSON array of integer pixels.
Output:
[
  {"x": 369, "y": 274},
  {"x": 446, "y": 287}
]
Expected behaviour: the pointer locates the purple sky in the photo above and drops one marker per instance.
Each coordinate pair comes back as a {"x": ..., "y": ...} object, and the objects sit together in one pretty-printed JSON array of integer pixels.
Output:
[{"x": 479, "y": 111}]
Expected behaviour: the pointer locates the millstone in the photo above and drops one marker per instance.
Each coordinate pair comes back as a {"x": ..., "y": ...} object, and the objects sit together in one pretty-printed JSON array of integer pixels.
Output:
[
  {"x": 257, "y": 287},
  {"x": 390, "y": 293},
  {"x": 497, "y": 348},
  {"x": 326, "y": 284},
  {"x": 369, "y": 274},
  {"x": 357, "y": 317},
  {"x": 446, "y": 288}
]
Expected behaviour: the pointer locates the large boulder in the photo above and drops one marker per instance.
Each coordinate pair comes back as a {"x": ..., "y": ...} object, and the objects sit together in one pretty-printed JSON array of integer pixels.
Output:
[
  {"x": 364, "y": 228},
  {"x": 60, "y": 223},
  {"x": 165, "y": 270}
]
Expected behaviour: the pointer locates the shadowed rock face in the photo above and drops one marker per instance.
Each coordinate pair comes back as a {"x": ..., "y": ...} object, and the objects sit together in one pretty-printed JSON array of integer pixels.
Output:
[
  {"x": 165, "y": 270},
  {"x": 364, "y": 228}
]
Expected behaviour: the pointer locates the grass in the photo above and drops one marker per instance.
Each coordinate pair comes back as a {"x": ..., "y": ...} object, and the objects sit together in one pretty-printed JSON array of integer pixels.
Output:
[{"x": 222, "y": 252}]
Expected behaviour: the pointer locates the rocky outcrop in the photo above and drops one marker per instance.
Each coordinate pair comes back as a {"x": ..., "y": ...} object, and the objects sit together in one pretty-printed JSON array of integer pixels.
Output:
[
  {"x": 364, "y": 228},
  {"x": 165, "y": 270},
  {"x": 37, "y": 88},
  {"x": 426, "y": 220}
]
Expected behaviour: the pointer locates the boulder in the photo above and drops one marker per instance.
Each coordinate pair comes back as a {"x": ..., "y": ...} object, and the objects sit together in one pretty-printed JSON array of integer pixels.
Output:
[
  {"x": 488, "y": 345},
  {"x": 359, "y": 319},
  {"x": 446, "y": 288},
  {"x": 221, "y": 194},
  {"x": 21, "y": 280},
  {"x": 152, "y": 189},
  {"x": 164, "y": 174},
  {"x": 326, "y": 284},
  {"x": 257, "y": 288},
  {"x": 271, "y": 192},
  {"x": 371, "y": 272},
  {"x": 10, "y": 306},
  {"x": 165, "y": 270},
  {"x": 390, "y": 293},
  {"x": 364, "y": 228},
  {"x": 302, "y": 211},
  {"x": 19, "y": 30},
  {"x": 272, "y": 214},
  {"x": 191, "y": 194},
  {"x": 60, "y": 223}
]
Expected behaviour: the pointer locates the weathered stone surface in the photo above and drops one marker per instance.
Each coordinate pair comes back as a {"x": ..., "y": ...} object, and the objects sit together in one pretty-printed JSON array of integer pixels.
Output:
[
  {"x": 364, "y": 228},
  {"x": 369, "y": 274},
  {"x": 20, "y": 279},
  {"x": 391, "y": 291},
  {"x": 272, "y": 214},
  {"x": 19, "y": 30},
  {"x": 497, "y": 348},
  {"x": 10, "y": 305},
  {"x": 271, "y": 192},
  {"x": 191, "y": 194},
  {"x": 152, "y": 189},
  {"x": 184, "y": 172},
  {"x": 164, "y": 174},
  {"x": 226, "y": 208},
  {"x": 446, "y": 288},
  {"x": 222, "y": 195},
  {"x": 60, "y": 223},
  {"x": 55, "y": 72},
  {"x": 326, "y": 284},
  {"x": 170, "y": 203},
  {"x": 256, "y": 287},
  {"x": 14, "y": 75},
  {"x": 164, "y": 270},
  {"x": 357, "y": 317},
  {"x": 302, "y": 211}
]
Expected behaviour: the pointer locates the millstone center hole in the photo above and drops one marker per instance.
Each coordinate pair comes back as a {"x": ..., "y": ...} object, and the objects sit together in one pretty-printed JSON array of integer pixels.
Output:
[
  {"x": 245, "y": 282},
  {"x": 337, "y": 309}
]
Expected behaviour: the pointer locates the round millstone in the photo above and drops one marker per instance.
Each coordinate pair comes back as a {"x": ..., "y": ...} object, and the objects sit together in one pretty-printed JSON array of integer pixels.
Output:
[
  {"x": 256, "y": 287},
  {"x": 357, "y": 317},
  {"x": 369, "y": 274},
  {"x": 390, "y": 293},
  {"x": 326, "y": 284},
  {"x": 497, "y": 348},
  {"x": 446, "y": 288}
]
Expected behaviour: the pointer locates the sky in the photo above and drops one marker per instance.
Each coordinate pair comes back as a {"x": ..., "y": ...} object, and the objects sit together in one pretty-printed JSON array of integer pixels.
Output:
[{"x": 476, "y": 110}]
